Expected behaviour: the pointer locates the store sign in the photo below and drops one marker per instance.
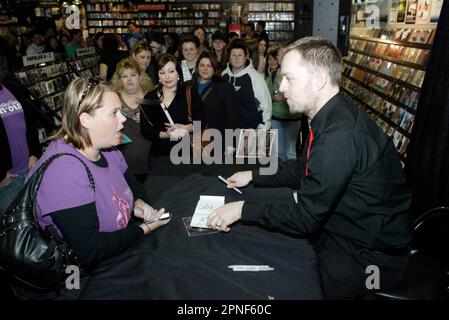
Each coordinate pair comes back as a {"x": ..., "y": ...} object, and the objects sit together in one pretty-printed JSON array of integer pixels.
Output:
[
  {"x": 38, "y": 59},
  {"x": 85, "y": 51}
]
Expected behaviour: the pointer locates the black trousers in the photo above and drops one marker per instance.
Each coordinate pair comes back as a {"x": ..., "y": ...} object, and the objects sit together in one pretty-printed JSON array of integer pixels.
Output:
[{"x": 343, "y": 267}]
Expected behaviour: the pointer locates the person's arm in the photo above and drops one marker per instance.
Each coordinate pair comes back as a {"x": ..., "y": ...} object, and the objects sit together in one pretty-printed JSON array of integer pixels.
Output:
[
  {"x": 149, "y": 128},
  {"x": 198, "y": 108},
  {"x": 289, "y": 174},
  {"x": 262, "y": 94},
  {"x": 332, "y": 164},
  {"x": 136, "y": 187},
  {"x": 103, "y": 71},
  {"x": 232, "y": 120},
  {"x": 80, "y": 229}
]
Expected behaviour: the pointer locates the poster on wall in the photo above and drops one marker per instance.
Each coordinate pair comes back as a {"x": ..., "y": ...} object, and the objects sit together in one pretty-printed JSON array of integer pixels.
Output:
[
  {"x": 423, "y": 12},
  {"x": 394, "y": 11},
  {"x": 410, "y": 15},
  {"x": 435, "y": 10},
  {"x": 401, "y": 11}
]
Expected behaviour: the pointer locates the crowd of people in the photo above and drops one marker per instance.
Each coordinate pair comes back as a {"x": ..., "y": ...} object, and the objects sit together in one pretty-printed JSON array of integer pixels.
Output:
[{"x": 352, "y": 197}]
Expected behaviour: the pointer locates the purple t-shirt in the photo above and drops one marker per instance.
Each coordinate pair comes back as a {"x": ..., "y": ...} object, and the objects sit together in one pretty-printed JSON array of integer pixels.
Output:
[
  {"x": 65, "y": 185},
  {"x": 13, "y": 119}
]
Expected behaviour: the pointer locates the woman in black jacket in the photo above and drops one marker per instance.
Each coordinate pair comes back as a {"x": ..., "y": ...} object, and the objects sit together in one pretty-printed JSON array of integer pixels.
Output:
[
  {"x": 164, "y": 117},
  {"x": 220, "y": 106}
]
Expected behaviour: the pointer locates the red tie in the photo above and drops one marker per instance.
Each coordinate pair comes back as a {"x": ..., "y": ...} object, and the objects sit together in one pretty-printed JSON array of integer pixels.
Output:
[{"x": 308, "y": 151}]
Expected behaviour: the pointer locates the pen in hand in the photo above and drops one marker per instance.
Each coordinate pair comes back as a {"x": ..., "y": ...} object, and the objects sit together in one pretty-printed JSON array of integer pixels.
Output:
[{"x": 226, "y": 181}]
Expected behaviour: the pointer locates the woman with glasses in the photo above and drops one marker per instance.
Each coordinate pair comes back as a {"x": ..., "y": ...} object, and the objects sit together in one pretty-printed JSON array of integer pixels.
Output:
[
  {"x": 131, "y": 84},
  {"x": 95, "y": 224},
  {"x": 164, "y": 118}
]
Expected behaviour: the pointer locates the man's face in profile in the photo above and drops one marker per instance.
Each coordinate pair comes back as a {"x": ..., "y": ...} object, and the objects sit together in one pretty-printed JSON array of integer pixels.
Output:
[{"x": 296, "y": 82}]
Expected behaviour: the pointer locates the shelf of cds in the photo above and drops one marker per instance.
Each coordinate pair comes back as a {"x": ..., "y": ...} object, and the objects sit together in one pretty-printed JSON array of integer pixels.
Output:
[
  {"x": 166, "y": 16},
  {"x": 383, "y": 74},
  {"x": 47, "y": 81},
  {"x": 279, "y": 18}
]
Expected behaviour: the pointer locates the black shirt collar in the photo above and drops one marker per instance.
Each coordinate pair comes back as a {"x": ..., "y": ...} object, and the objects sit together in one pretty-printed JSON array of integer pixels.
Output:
[{"x": 319, "y": 119}]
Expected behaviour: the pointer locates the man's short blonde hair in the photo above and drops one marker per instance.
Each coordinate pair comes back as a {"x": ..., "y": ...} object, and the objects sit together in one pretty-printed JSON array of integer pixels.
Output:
[{"x": 319, "y": 53}]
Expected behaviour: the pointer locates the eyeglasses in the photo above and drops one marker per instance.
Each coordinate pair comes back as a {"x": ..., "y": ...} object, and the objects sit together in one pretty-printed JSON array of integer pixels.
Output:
[{"x": 92, "y": 82}]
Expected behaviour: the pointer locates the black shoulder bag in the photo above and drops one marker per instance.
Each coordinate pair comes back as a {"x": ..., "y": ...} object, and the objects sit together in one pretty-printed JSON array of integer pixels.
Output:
[{"x": 37, "y": 258}]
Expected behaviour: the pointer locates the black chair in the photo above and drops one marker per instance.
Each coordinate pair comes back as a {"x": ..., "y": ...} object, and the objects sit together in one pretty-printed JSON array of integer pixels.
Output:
[{"x": 428, "y": 271}]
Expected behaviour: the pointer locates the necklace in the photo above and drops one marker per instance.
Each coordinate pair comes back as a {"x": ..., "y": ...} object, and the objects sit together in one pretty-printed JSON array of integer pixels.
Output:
[{"x": 132, "y": 101}]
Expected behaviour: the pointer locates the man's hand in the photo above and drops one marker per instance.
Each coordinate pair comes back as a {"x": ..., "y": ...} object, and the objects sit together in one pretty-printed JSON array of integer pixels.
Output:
[
  {"x": 224, "y": 216},
  {"x": 240, "y": 179}
]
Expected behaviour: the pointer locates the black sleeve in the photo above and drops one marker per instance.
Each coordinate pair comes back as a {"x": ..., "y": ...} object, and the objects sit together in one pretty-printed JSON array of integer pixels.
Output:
[
  {"x": 136, "y": 187},
  {"x": 320, "y": 191},
  {"x": 197, "y": 107},
  {"x": 149, "y": 126},
  {"x": 80, "y": 229},
  {"x": 289, "y": 175},
  {"x": 29, "y": 110},
  {"x": 232, "y": 120}
]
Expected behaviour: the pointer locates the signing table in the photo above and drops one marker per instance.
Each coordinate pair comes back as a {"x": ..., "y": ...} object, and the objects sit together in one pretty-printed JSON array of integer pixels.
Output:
[{"x": 170, "y": 264}]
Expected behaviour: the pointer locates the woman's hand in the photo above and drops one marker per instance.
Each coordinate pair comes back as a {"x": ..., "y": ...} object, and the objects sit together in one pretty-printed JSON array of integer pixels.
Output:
[
  {"x": 150, "y": 227},
  {"x": 174, "y": 126},
  {"x": 7, "y": 180},
  {"x": 31, "y": 162},
  {"x": 146, "y": 212},
  {"x": 177, "y": 130}
]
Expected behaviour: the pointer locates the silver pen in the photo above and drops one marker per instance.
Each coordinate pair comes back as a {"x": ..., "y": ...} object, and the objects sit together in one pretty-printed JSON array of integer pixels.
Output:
[{"x": 226, "y": 181}]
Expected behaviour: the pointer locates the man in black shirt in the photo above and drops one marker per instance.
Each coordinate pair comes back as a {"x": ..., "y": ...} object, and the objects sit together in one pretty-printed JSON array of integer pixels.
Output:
[{"x": 352, "y": 198}]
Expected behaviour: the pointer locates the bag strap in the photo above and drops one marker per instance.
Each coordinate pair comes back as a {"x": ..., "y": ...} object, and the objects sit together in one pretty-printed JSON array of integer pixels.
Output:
[
  {"x": 189, "y": 101},
  {"x": 36, "y": 179},
  {"x": 206, "y": 92}
]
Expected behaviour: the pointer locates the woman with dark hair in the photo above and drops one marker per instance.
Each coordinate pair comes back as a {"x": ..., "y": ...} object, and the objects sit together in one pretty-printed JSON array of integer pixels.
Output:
[
  {"x": 221, "y": 109},
  {"x": 172, "y": 43},
  {"x": 220, "y": 49},
  {"x": 200, "y": 33},
  {"x": 190, "y": 50},
  {"x": 259, "y": 55},
  {"x": 164, "y": 117},
  {"x": 110, "y": 56}
]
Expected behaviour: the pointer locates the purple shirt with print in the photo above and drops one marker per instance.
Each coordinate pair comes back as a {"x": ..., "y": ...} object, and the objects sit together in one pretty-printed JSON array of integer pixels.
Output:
[
  {"x": 13, "y": 118},
  {"x": 65, "y": 185}
]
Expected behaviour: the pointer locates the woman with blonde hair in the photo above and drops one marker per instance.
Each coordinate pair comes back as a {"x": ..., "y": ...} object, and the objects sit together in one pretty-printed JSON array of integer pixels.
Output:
[
  {"x": 131, "y": 83},
  {"x": 97, "y": 223}
]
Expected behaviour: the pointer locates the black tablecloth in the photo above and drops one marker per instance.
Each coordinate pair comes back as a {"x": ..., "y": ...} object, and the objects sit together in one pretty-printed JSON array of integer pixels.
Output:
[{"x": 169, "y": 264}]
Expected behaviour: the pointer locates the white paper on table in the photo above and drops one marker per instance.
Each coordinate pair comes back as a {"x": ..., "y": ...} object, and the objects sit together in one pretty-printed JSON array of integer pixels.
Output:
[{"x": 206, "y": 205}]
